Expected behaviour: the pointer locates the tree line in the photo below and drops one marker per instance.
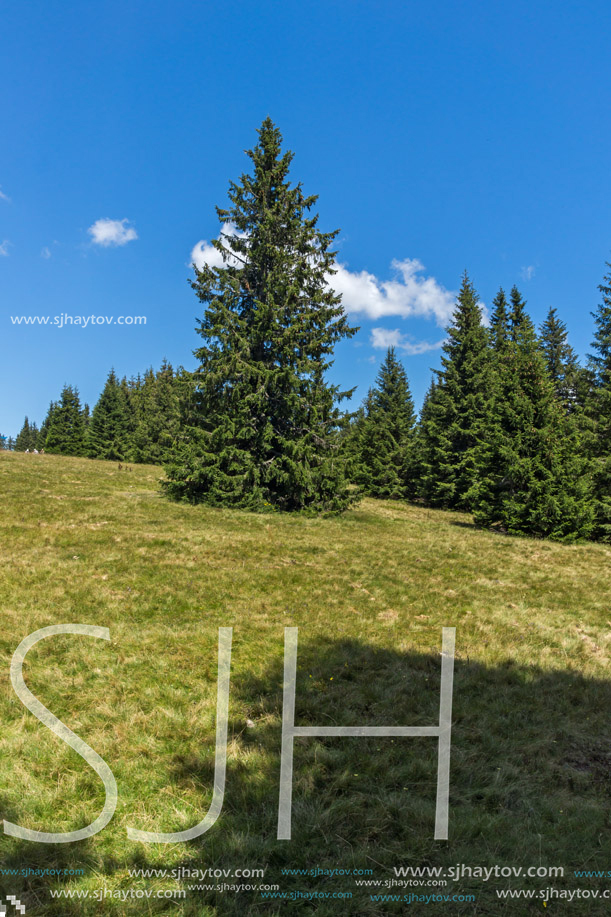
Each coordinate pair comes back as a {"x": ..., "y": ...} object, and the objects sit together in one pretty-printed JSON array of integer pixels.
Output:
[
  {"x": 513, "y": 429},
  {"x": 135, "y": 420}
]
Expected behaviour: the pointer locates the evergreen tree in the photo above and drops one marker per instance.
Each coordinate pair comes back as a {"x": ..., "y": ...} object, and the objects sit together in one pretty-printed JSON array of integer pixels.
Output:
[
  {"x": 45, "y": 426},
  {"x": 66, "y": 434},
  {"x": 108, "y": 433},
  {"x": 157, "y": 415},
  {"x": 599, "y": 410},
  {"x": 385, "y": 434},
  {"x": 499, "y": 322},
  {"x": 11, "y": 444},
  {"x": 267, "y": 422},
  {"x": 147, "y": 421},
  {"x": 456, "y": 407},
  {"x": 561, "y": 361},
  {"x": 518, "y": 315},
  {"x": 533, "y": 478},
  {"x": 24, "y": 437},
  {"x": 3, "y": 441}
]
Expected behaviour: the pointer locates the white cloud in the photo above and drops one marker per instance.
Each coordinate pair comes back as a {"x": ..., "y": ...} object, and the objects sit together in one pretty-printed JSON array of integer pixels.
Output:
[
  {"x": 409, "y": 295},
  {"x": 383, "y": 338},
  {"x": 45, "y": 253},
  {"x": 4, "y": 197},
  {"x": 527, "y": 273},
  {"x": 108, "y": 233},
  {"x": 4, "y": 248},
  {"x": 205, "y": 253}
]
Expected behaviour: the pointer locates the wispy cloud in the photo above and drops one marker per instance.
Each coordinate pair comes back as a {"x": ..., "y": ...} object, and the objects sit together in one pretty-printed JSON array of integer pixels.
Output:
[
  {"x": 4, "y": 197},
  {"x": 408, "y": 294},
  {"x": 112, "y": 233},
  {"x": 4, "y": 247},
  {"x": 45, "y": 253},
  {"x": 382, "y": 338},
  {"x": 528, "y": 272}
]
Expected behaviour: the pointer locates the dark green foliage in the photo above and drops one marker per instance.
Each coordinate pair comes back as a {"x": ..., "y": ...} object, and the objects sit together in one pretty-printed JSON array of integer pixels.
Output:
[
  {"x": 110, "y": 427},
  {"x": 599, "y": 410},
  {"x": 265, "y": 422},
  {"x": 455, "y": 409},
  {"x": 45, "y": 427},
  {"x": 157, "y": 409},
  {"x": 66, "y": 434},
  {"x": 532, "y": 476},
  {"x": 499, "y": 322},
  {"x": 562, "y": 363},
  {"x": 384, "y": 435},
  {"x": 518, "y": 315},
  {"x": 27, "y": 438}
]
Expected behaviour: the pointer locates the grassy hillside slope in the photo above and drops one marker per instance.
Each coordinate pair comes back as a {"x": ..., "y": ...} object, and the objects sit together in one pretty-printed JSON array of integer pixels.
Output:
[{"x": 93, "y": 543}]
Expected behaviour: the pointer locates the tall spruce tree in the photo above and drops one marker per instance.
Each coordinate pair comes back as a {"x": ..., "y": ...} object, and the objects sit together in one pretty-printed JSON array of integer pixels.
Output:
[
  {"x": 267, "y": 421},
  {"x": 599, "y": 410},
  {"x": 45, "y": 426},
  {"x": 384, "y": 461},
  {"x": 561, "y": 361},
  {"x": 499, "y": 322},
  {"x": 157, "y": 407},
  {"x": 533, "y": 478},
  {"x": 66, "y": 434},
  {"x": 108, "y": 433},
  {"x": 455, "y": 409},
  {"x": 25, "y": 438}
]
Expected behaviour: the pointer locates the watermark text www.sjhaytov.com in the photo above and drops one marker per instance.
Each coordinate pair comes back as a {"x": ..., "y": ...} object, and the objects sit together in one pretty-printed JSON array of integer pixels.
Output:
[{"x": 80, "y": 321}]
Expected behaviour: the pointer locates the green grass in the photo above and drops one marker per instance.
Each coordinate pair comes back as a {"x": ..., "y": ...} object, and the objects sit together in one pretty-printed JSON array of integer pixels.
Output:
[{"x": 86, "y": 542}]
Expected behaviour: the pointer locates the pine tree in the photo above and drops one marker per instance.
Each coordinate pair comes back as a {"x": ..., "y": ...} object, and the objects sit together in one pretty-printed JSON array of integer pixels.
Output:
[
  {"x": 599, "y": 410},
  {"x": 499, "y": 322},
  {"x": 455, "y": 408},
  {"x": 66, "y": 434},
  {"x": 561, "y": 361},
  {"x": 108, "y": 433},
  {"x": 267, "y": 422},
  {"x": 45, "y": 426},
  {"x": 22, "y": 441},
  {"x": 385, "y": 434},
  {"x": 518, "y": 316},
  {"x": 157, "y": 406},
  {"x": 533, "y": 478}
]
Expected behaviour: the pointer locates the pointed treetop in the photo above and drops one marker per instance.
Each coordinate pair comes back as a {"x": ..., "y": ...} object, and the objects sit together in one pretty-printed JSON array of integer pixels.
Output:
[
  {"x": 600, "y": 361},
  {"x": 499, "y": 321},
  {"x": 521, "y": 327}
]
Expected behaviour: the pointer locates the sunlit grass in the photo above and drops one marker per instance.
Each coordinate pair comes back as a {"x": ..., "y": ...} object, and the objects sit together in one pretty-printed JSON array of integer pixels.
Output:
[{"x": 87, "y": 542}]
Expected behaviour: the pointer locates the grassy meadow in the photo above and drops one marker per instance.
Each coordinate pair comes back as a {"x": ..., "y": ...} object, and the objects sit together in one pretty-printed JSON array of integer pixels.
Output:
[{"x": 95, "y": 543}]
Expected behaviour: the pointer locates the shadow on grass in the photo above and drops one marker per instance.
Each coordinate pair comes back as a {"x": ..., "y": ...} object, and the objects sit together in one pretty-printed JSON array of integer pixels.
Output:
[{"x": 530, "y": 782}]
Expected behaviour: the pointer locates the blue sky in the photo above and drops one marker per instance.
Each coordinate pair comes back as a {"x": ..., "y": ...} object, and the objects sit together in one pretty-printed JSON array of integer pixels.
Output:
[{"x": 440, "y": 136}]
